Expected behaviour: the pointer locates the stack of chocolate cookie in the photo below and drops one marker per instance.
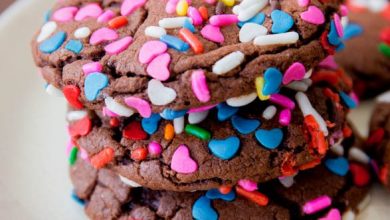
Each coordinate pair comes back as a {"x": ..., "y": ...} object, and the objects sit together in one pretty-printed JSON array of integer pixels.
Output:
[{"x": 204, "y": 109}]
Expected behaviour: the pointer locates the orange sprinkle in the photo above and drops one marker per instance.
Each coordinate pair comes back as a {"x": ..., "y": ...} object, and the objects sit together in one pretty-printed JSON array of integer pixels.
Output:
[
  {"x": 204, "y": 13},
  {"x": 139, "y": 154},
  {"x": 118, "y": 22},
  {"x": 169, "y": 132},
  {"x": 192, "y": 40},
  {"x": 225, "y": 189},
  {"x": 329, "y": 93},
  {"x": 287, "y": 167},
  {"x": 310, "y": 164},
  {"x": 102, "y": 158},
  {"x": 316, "y": 136},
  {"x": 254, "y": 196}
]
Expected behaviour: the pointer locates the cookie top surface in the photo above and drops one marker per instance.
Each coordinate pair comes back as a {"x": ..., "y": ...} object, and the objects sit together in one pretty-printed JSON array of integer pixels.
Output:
[{"x": 94, "y": 50}]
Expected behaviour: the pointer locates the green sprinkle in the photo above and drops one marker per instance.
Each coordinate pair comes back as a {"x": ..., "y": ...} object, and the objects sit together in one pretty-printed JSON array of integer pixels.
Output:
[
  {"x": 73, "y": 155},
  {"x": 384, "y": 49},
  {"x": 198, "y": 132}
]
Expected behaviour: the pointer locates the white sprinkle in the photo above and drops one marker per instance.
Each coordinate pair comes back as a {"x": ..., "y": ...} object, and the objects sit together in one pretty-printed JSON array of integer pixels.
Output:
[
  {"x": 155, "y": 31},
  {"x": 246, "y": 13},
  {"x": 269, "y": 112},
  {"x": 228, "y": 62},
  {"x": 159, "y": 94},
  {"x": 53, "y": 91},
  {"x": 307, "y": 109},
  {"x": 364, "y": 204},
  {"x": 287, "y": 181},
  {"x": 178, "y": 125},
  {"x": 76, "y": 115},
  {"x": 308, "y": 74},
  {"x": 337, "y": 149},
  {"x": 241, "y": 100},
  {"x": 250, "y": 31},
  {"x": 298, "y": 86},
  {"x": 349, "y": 215},
  {"x": 385, "y": 97},
  {"x": 358, "y": 155},
  {"x": 197, "y": 117},
  {"x": 82, "y": 32},
  {"x": 176, "y": 22},
  {"x": 129, "y": 182},
  {"x": 118, "y": 108},
  {"x": 275, "y": 39},
  {"x": 47, "y": 30}
]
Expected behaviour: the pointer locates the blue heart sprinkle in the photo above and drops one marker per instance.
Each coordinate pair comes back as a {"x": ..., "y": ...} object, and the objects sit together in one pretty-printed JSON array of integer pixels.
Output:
[
  {"x": 339, "y": 166},
  {"x": 77, "y": 199},
  {"x": 187, "y": 24},
  {"x": 244, "y": 125},
  {"x": 333, "y": 36},
  {"x": 352, "y": 30},
  {"x": 53, "y": 43},
  {"x": 225, "y": 149},
  {"x": 348, "y": 100},
  {"x": 150, "y": 124},
  {"x": 202, "y": 209},
  {"x": 175, "y": 43},
  {"x": 93, "y": 84},
  {"x": 272, "y": 81},
  {"x": 258, "y": 19},
  {"x": 215, "y": 194},
  {"x": 282, "y": 22},
  {"x": 270, "y": 139},
  {"x": 225, "y": 111},
  {"x": 169, "y": 114},
  {"x": 75, "y": 46}
]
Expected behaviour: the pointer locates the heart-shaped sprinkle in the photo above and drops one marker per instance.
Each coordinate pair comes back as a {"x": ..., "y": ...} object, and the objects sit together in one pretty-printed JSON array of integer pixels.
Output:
[
  {"x": 74, "y": 46},
  {"x": 82, "y": 32},
  {"x": 102, "y": 35},
  {"x": 272, "y": 81},
  {"x": 361, "y": 175},
  {"x": 281, "y": 21},
  {"x": 182, "y": 161},
  {"x": 52, "y": 44},
  {"x": 202, "y": 209},
  {"x": 64, "y": 14},
  {"x": 270, "y": 139},
  {"x": 141, "y": 105},
  {"x": 150, "y": 124},
  {"x": 158, "y": 68},
  {"x": 80, "y": 128},
  {"x": 72, "y": 94},
  {"x": 129, "y": 6},
  {"x": 93, "y": 84},
  {"x": 197, "y": 117},
  {"x": 118, "y": 46},
  {"x": 250, "y": 31},
  {"x": 133, "y": 131},
  {"x": 313, "y": 15},
  {"x": 333, "y": 214},
  {"x": 296, "y": 72},
  {"x": 241, "y": 100},
  {"x": 117, "y": 108},
  {"x": 159, "y": 94},
  {"x": 199, "y": 86},
  {"x": 339, "y": 166},
  {"x": 225, "y": 111},
  {"x": 215, "y": 194},
  {"x": 47, "y": 29},
  {"x": 92, "y": 10},
  {"x": 169, "y": 114},
  {"x": 151, "y": 50},
  {"x": 248, "y": 185},
  {"x": 225, "y": 149},
  {"x": 244, "y": 125},
  {"x": 213, "y": 34},
  {"x": 92, "y": 68}
]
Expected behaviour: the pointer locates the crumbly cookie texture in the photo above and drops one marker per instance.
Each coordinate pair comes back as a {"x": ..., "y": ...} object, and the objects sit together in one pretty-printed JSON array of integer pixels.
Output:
[{"x": 149, "y": 56}]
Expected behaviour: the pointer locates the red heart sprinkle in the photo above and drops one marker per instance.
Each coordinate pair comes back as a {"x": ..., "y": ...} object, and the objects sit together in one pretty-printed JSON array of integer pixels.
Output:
[
  {"x": 361, "y": 176},
  {"x": 134, "y": 131},
  {"x": 72, "y": 93},
  {"x": 81, "y": 127}
]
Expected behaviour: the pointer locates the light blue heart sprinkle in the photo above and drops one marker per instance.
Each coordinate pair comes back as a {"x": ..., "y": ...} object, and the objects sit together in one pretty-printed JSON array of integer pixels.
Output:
[
  {"x": 52, "y": 44},
  {"x": 244, "y": 125},
  {"x": 281, "y": 21},
  {"x": 224, "y": 149},
  {"x": 93, "y": 84},
  {"x": 150, "y": 124},
  {"x": 202, "y": 209},
  {"x": 339, "y": 166},
  {"x": 272, "y": 81},
  {"x": 270, "y": 139},
  {"x": 225, "y": 111},
  {"x": 75, "y": 46},
  {"x": 215, "y": 194}
]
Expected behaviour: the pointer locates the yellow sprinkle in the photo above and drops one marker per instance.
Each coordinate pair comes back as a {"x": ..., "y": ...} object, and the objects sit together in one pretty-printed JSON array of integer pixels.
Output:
[
  {"x": 169, "y": 132},
  {"x": 182, "y": 7},
  {"x": 229, "y": 3},
  {"x": 259, "y": 82}
]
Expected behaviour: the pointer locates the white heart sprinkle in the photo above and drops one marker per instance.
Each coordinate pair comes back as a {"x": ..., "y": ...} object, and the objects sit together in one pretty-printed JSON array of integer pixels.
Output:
[
  {"x": 275, "y": 39},
  {"x": 75, "y": 115},
  {"x": 197, "y": 117},
  {"x": 250, "y": 31},
  {"x": 82, "y": 32},
  {"x": 154, "y": 31},
  {"x": 178, "y": 125},
  {"x": 159, "y": 94},
  {"x": 129, "y": 182},
  {"x": 46, "y": 30},
  {"x": 228, "y": 62},
  {"x": 118, "y": 108},
  {"x": 241, "y": 100},
  {"x": 287, "y": 181}
]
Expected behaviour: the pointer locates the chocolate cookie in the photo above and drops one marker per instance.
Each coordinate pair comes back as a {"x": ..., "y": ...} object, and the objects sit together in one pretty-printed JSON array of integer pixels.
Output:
[
  {"x": 367, "y": 47},
  {"x": 147, "y": 56},
  {"x": 260, "y": 141},
  {"x": 380, "y": 137}
]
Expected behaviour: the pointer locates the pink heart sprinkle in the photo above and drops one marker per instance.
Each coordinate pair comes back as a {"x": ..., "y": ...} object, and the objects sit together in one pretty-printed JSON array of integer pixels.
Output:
[
  {"x": 199, "y": 86},
  {"x": 248, "y": 185},
  {"x": 64, "y": 14},
  {"x": 212, "y": 33},
  {"x": 118, "y": 46},
  {"x": 158, "y": 68},
  {"x": 103, "y": 34},
  {"x": 140, "y": 105},
  {"x": 303, "y": 3},
  {"x": 182, "y": 161},
  {"x": 106, "y": 16},
  {"x": 151, "y": 50},
  {"x": 92, "y": 10},
  {"x": 339, "y": 26},
  {"x": 333, "y": 214},
  {"x": 295, "y": 72},
  {"x": 329, "y": 63},
  {"x": 92, "y": 68},
  {"x": 313, "y": 15},
  {"x": 128, "y": 6}
]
